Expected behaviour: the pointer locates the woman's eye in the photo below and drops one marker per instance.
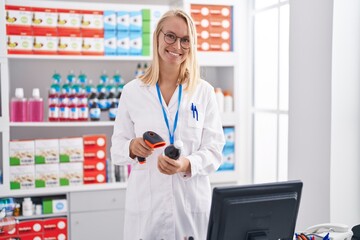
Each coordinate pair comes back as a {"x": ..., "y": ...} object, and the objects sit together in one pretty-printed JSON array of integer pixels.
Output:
[
  {"x": 185, "y": 40},
  {"x": 171, "y": 36}
]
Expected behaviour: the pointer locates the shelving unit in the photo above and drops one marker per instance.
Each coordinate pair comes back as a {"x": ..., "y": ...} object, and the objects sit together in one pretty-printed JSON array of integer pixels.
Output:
[{"x": 222, "y": 69}]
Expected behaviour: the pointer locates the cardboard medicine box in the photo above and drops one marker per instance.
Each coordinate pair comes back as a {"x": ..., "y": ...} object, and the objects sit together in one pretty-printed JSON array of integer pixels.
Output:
[
  {"x": 22, "y": 153},
  {"x": 22, "y": 177},
  {"x": 71, "y": 174},
  {"x": 46, "y": 151},
  {"x": 46, "y": 175},
  {"x": 54, "y": 205},
  {"x": 71, "y": 150},
  {"x": 18, "y": 18}
]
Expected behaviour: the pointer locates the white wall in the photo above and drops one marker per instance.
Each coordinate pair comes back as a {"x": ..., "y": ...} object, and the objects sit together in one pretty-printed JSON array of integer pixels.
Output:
[
  {"x": 310, "y": 106},
  {"x": 324, "y": 113},
  {"x": 345, "y": 126}
]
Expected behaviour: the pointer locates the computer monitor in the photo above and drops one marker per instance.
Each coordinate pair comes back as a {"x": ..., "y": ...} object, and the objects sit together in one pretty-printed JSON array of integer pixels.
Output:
[{"x": 255, "y": 212}]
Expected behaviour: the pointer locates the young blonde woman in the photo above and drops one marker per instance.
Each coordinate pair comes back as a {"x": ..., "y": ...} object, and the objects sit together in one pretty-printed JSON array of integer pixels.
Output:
[{"x": 166, "y": 198}]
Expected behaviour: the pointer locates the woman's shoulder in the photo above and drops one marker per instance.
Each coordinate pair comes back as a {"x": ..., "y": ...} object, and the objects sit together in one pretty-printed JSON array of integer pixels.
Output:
[
  {"x": 204, "y": 86},
  {"x": 133, "y": 84}
]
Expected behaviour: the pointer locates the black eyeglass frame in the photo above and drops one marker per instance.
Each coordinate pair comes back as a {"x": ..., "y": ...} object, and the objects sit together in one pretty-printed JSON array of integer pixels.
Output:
[{"x": 181, "y": 39}]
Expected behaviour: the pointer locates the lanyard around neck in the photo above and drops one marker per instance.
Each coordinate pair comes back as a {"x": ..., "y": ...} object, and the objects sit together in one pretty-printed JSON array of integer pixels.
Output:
[{"x": 171, "y": 134}]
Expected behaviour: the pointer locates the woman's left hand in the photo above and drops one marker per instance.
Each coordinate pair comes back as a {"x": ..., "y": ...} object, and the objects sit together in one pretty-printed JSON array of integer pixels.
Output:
[{"x": 170, "y": 166}]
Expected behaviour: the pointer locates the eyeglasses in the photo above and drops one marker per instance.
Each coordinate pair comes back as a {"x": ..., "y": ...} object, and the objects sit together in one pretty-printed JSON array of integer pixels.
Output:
[{"x": 170, "y": 38}]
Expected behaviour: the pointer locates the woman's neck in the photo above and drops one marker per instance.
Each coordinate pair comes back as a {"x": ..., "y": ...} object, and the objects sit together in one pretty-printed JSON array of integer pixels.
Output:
[{"x": 169, "y": 77}]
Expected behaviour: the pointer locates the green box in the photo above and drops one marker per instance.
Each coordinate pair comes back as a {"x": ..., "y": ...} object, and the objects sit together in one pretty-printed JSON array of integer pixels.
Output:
[
  {"x": 146, "y": 26},
  {"x": 145, "y": 51},
  {"x": 146, "y": 14},
  {"x": 47, "y": 206},
  {"x": 146, "y": 39}
]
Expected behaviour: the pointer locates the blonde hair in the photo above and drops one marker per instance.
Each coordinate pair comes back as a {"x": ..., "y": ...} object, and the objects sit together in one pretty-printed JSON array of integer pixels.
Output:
[{"x": 189, "y": 69}]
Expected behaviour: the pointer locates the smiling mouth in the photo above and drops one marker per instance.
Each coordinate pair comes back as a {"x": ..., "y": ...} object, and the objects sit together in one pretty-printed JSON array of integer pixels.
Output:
[{"x": 174, "y": 53}]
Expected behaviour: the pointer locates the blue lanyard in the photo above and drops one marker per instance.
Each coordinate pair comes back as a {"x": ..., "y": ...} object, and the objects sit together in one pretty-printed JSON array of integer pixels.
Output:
[{"x": 171, "y": 135}]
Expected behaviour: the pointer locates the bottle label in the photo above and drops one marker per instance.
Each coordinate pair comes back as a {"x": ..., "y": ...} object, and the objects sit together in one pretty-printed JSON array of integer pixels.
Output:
[
  {"x": 53, "y": 112},
  {"x": 95, "y": 113},
  {"x": 103, "y": 104},
  {"x": 83, "y": 113},
  {"x": 74, "y": 114},
  {"x": 112, "y": 113},
  {"x": 53, "y": 101},
  {"x": 64, "y": 112}
]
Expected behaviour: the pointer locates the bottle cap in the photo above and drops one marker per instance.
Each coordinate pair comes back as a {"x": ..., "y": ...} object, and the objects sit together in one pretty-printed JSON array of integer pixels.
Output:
[
  {"x": 178, "y": 144},
  {"x": 227, "y": 93},
  {"x": 19, "y": 92},
  {"x": 36, "y": 93}
]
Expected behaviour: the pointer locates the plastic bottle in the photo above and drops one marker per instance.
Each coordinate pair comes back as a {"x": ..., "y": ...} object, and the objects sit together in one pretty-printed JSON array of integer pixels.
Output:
[
  {"x": 63, "y": 106},
  {"x": 89, "y": 88},
  {"x": 73, "y": 106},
  {"x": 138, "y": 71},
  {"x": 228, "y": 102},
  {"x": 36, "y": 107},
  {"x": 53, "y": 105},
  {"x": 94, "y": 110},
  {"x": 70, "y": 80},
  {"x": 102, "y": 82},
  {"x": 18, "y": 109},
  {"x": 56, "y": 81},
  {"x": 82, "y": 79},
  {"x": 83, "y": 109},
  {"x": 114, "y": 103},
  {"x": 27, "y": 207},
  {"x": 219, "y": 99},
  {"x": 103, "y": 100},
  {"x": 119, "y": 84}
]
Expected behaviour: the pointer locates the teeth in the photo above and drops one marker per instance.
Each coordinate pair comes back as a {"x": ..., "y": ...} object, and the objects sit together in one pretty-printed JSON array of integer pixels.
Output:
[{"x": 174, "y": 54}]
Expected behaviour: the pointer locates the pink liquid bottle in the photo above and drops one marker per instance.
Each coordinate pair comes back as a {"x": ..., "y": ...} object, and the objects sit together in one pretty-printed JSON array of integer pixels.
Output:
[
  {"x": 18, "y": 108},
  {"x": 53, "y": 105},
  {"x": 36, "y": 107}
]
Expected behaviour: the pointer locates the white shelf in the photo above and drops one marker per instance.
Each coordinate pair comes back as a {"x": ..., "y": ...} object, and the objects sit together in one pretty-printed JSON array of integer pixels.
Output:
[
  {"x": 228, "y": 119},
  {"x": 62, "y": 124},
  {"x": 63, "y": 190},
  {"x": 217, "y": 59},
  {"x": 80, "y": 57},
  {"x": 52, "y": 215}
]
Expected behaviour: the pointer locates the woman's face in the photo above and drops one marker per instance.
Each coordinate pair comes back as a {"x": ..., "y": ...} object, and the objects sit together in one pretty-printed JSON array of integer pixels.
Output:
[{"x": 173, "y": 53}]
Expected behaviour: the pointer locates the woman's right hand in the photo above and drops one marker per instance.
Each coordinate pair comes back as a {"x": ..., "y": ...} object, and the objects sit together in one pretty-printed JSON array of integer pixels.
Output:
[{"x": 138, "y": 148}]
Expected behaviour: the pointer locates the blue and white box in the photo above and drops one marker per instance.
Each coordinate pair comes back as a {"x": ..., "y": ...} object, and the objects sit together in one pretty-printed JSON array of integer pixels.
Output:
[
  {"x": 228, "y": 156},
  {"x": 135, "y": 21},
  {"x": 122, "y": 20},
  {"x": 135, "y": 43},
  {"x": 110, "y": 20},
  {"x": 123, "y": 43},
  {"x": 229, "y": 133},
  {"x": 110, "y": 43}
]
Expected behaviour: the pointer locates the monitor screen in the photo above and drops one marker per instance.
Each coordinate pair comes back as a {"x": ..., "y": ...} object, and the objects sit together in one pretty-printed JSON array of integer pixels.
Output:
[{"x": 252, "y": 212}]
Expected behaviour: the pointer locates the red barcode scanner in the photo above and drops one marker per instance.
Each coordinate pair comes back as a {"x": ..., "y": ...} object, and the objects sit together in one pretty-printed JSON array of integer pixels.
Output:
[{"x": 153, "y": 140}]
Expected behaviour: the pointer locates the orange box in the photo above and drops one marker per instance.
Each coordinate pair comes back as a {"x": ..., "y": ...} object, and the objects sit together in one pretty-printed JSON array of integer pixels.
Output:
[
  {"x": 30, "y": 227},
  {"x": 55, "y": 225},
  {"x": 94, "y": 165},
  {"x": 94, "y": 177},
  {"x": 44, "y": 20},
  {"x": 18, "y": 18},
  {"x": 203, "y": 44},
  {"x": 95, "y": 154},
  {"x": 92, "y": 44},
  {"x": 36, "y": 236},
  {"x": 5, "y": 232},
  {"x": 69, "y": 21},
  {"x": 55, "y": 235},
  {"x": 45, "y": 43},
  {"x": 92, "y": 22},
  {"x": 20, "y": 42},
  {"x": 95, "y": 141},
  {"x": 69, "y": 43}
]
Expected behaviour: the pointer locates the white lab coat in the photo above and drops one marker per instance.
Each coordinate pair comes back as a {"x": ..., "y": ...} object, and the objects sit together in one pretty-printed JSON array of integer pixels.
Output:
[{"x": 160, "y": 206}]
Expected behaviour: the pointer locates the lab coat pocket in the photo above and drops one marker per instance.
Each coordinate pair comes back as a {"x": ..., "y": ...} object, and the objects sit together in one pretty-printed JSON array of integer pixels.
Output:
[
  {"x": 138, "y": 195},
  {"x": 198, "y": 195},
  {"x": 195, "y": 116}
]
